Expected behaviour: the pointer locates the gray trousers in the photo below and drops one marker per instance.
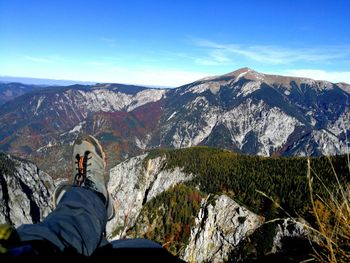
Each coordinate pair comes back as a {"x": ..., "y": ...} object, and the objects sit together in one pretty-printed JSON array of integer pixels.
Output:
[{"x": 78, "y": 222}]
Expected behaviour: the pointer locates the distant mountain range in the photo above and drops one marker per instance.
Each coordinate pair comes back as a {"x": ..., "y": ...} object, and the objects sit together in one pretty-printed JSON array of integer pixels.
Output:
[
  {"x": 9, "y": 91},
  {"x": 43, "y": 82},
  {"x": 244, "y": 111}
]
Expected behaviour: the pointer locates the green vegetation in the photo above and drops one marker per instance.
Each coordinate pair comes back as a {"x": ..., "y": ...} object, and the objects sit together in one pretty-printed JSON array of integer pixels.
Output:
[
  {"x": 169, "y": 217},
  {"x": 283, "y": 181},
  {"x": 241, "y": 177}
]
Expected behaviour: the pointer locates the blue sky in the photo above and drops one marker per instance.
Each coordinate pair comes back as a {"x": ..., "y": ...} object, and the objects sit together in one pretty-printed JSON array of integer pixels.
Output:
[{"x": 170, "y": 43}]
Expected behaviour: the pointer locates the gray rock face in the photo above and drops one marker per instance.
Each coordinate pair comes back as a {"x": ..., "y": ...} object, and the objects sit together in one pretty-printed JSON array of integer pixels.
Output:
[
  {"x": 221, "y": 224},
  {"x": 259, "y": 114},
  {"x": 25, "y": 192},
  {"x": 133, "y": 183},
  {"x": 288, "y": 228}
]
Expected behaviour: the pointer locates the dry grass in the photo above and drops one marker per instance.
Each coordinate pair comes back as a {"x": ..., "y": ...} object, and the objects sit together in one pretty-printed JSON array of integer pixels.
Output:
[
  {"x": 330, "y": 235},
  {"x": 332, "y": 213}
]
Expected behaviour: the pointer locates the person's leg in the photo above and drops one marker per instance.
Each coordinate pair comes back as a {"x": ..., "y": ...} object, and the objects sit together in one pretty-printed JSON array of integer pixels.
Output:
[
  {"x": 83, "y": 208},
  {"x": 77, "y": 223}
]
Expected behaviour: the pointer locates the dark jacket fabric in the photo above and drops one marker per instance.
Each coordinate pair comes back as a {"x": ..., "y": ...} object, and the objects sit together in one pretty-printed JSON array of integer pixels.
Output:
[{"x": 75, "y": 230}]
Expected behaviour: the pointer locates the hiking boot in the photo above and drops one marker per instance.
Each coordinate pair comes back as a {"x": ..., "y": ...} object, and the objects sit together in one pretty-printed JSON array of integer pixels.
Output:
[{"x": 90, "y": 166}]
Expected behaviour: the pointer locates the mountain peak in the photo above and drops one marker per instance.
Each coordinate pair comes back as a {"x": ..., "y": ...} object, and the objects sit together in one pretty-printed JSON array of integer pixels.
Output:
[
  {"x": 242, "y": 70},
  {"x": 270, "y": 79},
  {"x": 235, "y": 74},
  {"x": 247, "y": 73}
]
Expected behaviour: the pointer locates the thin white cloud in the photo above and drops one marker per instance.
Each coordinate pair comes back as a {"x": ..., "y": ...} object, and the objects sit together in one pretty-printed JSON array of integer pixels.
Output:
[
  {"x": 109, "y": 41},
  {"x": 155, "y": 77},
  {"x": 215, "y": 58},
  {"x": 38, "y": 60},
  {"x": 104, "y": 71},
  {"x": 270, "y": 54},
  {"x": 97, "y": 63},
  {"x": 332, "y": 76},
  {"x": 118, "y": 74}
]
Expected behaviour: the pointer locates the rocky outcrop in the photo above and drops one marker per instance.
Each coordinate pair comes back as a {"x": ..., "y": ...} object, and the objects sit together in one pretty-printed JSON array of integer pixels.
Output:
[
  {"x": 133, "y": 183},
  {"x": 288, "y": 228},
  {"x": 220, "y": 226},
  {"x": 25, "y": 192}
]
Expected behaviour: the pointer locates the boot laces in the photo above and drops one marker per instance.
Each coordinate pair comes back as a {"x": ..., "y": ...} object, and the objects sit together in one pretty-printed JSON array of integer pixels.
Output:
[{"x": 81, "y": 167}]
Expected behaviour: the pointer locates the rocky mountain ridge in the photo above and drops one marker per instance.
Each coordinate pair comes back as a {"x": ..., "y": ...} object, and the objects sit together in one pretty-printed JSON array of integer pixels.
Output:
[
  {"x": 259, "y": 114},
  {"x": 244, "y": 111},
  {"x": 12, "y": 90}
]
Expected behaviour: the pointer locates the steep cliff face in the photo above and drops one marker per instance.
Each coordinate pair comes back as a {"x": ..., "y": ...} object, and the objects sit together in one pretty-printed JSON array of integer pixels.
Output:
[
  {"x": 25, "y": 192},
  {"x": 220, "y": 226},
  {"x": 132, "y": 184}
]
